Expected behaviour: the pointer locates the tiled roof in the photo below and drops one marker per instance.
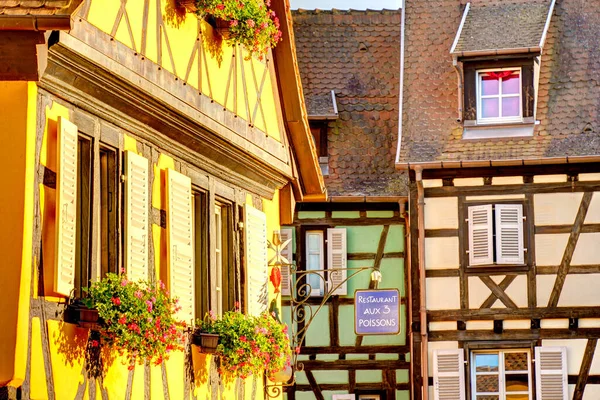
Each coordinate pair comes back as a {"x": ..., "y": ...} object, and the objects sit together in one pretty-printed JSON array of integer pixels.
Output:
[
  {"x": 503, "y": 26},
  {"x": 320, "y": 104},
  {"x": 568, "y": 104},
  {"x": 32, "y": 7},
  {"x": 356, "y": 54}
]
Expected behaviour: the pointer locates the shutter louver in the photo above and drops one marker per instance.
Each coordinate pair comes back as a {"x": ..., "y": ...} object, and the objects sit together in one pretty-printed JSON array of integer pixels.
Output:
[
  {"x": 336, "y": 260},
  {"x": 551, "y": 373},
  {"x": 448, "y": 375},
  {"x": 509, "y": 234},
  {"x": 180, "y": 243},
  {"x": 287, "y": 253},
  {"x": 137, "y": 194},
  {"x": 480, "y": 235},
  {"x": 255, "y": 246},
  {"x": 66, "y": 207}
]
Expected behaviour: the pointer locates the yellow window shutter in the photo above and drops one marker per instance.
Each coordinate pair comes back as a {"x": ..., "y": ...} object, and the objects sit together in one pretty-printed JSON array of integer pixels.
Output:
[
  {"x": 336, "y": 260},
  {"x": 255, "y": 245},
  {"x": 180, "y": 242},
  {"x": 66, "y": 207},
  {"x": 137, "y": 192},
  {"x": 287, "y": 253}
]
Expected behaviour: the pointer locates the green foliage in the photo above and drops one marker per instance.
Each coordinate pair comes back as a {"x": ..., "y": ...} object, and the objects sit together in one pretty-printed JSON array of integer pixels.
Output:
[
  {"x": 249, "y": 345},
  {"x": 251, "y": 23},
  {"x": 138, "y": 318}
]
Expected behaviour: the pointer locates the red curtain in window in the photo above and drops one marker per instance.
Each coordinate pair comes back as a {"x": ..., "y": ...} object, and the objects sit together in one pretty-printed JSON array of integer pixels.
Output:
[{"x": 499, "y": 74}]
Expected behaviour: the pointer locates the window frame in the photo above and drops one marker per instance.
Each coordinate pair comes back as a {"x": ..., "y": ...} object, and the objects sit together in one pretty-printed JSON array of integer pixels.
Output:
[
  {"x": 322, "y": 232},
  {"x": 501, "y": 372},
  {"x": 497, "y": 120},
  {"x": 224, "y": 273}
]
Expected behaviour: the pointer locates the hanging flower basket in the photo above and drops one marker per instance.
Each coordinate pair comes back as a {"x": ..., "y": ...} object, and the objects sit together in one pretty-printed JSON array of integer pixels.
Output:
[
  {"x": 84, "y": 317},
  {"x": 220, "y": 25},
  {"x": 207, "y": 342},
  {"x": 190, "y": 5}
]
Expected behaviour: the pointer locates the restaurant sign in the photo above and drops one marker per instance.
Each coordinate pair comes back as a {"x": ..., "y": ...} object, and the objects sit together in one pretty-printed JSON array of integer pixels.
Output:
[{"x": 377, "y": 312}]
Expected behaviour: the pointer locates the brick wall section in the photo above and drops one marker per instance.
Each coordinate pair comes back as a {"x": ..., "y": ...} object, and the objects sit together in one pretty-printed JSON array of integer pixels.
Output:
[
  {"x": 569, "y": 90},
  {"x": 356, "y": 54}
]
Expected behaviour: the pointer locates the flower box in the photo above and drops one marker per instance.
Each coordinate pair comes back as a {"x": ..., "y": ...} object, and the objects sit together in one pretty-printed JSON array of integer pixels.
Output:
[
  {"x": 207, "y": 342},
  {"x": 84, "y": 317},
  {"x": 190, "y": 5}
]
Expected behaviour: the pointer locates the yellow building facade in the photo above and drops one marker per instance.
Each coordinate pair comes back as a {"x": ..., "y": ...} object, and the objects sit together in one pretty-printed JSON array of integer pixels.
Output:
[{"x": 110, "y": 109}]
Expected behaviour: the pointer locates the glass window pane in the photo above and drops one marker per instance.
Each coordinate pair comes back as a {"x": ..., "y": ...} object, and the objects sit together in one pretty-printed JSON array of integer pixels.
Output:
[
  {"x": 313, "y": 262},
  {"x": 517, "y": 397},
  {"x": 517, "y": 382},
  {"x": 510, "y": 84},
  {"x": 314, "y": 242},
  {"x": 486, "y": 362},
  {"x": 510, "y": 107},
  {"x": 516, "y": 362},
  {"x": 489, "y": 85},
  {"x": 489, "y": 108},
  {"x": 487, "y": 383},
  {"x": 488, "y": 397}
]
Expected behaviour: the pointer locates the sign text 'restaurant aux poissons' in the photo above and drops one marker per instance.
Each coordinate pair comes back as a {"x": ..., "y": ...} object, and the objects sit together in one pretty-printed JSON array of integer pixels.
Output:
[{"x": 377, "y": 312}]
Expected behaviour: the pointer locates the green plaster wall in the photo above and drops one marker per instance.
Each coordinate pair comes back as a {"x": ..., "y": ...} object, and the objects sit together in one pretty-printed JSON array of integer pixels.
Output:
[
  {"x": 328, "y": 394},
  {"x": 392, "y": 274},
  {"x": 357, "y": 356},
  {"x": 345, "y": 214},
  {"x": 311, "y": 214},
  {"x": 331, "y": 376},
  {"x": 380, "y": 214},
  {"x": 401, "y": 395},
  {"x": 368, "y": 376},
  {"x": 395, "y": 239},
  {"x": 318, "y": 331},
  {"x": 362, "y": 239},
  {"x": 386, "y": 356},
  {"x": 402, "y": 376},
  {"x": 327, "y": 357}
]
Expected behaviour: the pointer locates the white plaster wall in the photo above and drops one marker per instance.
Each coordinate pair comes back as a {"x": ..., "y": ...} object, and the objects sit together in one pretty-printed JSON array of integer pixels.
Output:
[
  {"x": 549, "y": 248},
  {"x": 441, "y": 253},
  {"x": 575, "y": 350},
  {"x": 589, "y": 322},
  {"x": 442, "y": 293},
  {"x": 595, "y": 367},
  {"x": 517, "y": 291},
  {"x": 580, "y": 290},
  {"x": 544, "y": 284},
  {"x": 441, "y": 213},
  {"x": 554, "y": 323},
  {"x": 592, "y": 392},
  {"x": 507, "y": 180},
  {"x": 480, "y": 325},
  {"x": 429, "y": 183},
  {"x": 494, "y": 197},
  {"x": 516, "y": 324},
  {"x": 442, "y": 326},
  {"x": 587, "y": 249},
  {"x": 468, "y": 182},
  {"x": 589, "y": 177},
  {"x": 556, "y": 208},
  {"x": 549, "y": 178},
  {"x": 431, "y": 346},
  {"x": 593, "y": 212},
  {"x": 478, "y": 292}
]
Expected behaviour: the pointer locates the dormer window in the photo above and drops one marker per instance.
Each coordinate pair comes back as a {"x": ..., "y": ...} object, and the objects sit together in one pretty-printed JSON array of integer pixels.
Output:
[{"x": 499, "y": 96}]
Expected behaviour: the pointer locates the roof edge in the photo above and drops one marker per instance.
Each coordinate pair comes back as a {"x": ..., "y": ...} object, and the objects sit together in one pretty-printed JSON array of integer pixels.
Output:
[
  {"x": 547, "y": 25},
  {"x": 405, "y": 166},
  {"x": 498, "y": 52},
  {"x": 460, "y": 28}
]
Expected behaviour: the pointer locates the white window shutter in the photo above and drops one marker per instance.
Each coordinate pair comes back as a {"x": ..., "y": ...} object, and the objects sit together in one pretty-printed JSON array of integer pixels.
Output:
[
  {"x": 509, "y": 234},
  {"x": 287, "y": 253},
  {"x": 448, "y": 374},
  {"x": 137, "y": 192},
  {"x": 66, "y": 207},
  {"x": 336, "y": 260},
  {"x": 255, "y": 246},
  {"x": 551, "y": 373},
  {"x": 180, "y": 242},
  {"x": 480, "y": 235}
]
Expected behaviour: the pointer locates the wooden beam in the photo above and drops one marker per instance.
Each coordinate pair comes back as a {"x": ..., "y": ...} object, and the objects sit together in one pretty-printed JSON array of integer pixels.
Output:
[
  {"x": 387, "y": 349},
  {"x": 563, "y": 269},
  {"x": 354, "y": 364},
  {"x": 498, "y": 292},
  {"x": 432, "y": 233},
  {"x": 348, "y": 221},
  {"x": 371, "y": 256},
  {"x": 584, "y": 370},
  {"x": 462, "y": 257},
  {"x": 333, "y": 322},
  {"x": 515, "y": 334},
  {"x": 489, "y": 302},
  {"x": 519, "y": 313},
  {"x": 314, "y": 385},
  {"x": 533, "y": 188},
  {"x": 345, "y": 387},
  {"x": 587, "y": 228}
]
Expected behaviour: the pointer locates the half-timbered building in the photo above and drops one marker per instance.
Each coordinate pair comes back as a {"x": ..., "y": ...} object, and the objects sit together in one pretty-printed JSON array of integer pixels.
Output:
[
  {"x": 500, "y": 135},
  {"x": 349, "y": 65}
]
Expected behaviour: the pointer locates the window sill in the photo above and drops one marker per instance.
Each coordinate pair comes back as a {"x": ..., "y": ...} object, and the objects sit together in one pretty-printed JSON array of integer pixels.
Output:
[
  {"x": 472, "y": 130},
  {"x": 494, "y": 269}
]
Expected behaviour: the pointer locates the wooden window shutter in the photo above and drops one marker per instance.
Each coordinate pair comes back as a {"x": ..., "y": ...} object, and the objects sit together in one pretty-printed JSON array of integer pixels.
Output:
[
  {"x": 509, "y": 234},
  {"x": 448, "y": 374},
  {"x": 66, "y": 207},
  {"x": 481, "y": 249},
  {"x": 336, "y": 260},
  {"x": 137, "y": 195},
  {"x": 255, "y": 246},
  {"x": 551, "y": 373},
  {"x": 180, "y": 243},
  {"x": 287, "y": 252}
]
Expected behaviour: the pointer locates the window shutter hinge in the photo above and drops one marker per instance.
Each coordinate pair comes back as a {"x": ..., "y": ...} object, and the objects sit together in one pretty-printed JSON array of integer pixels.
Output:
[
  {"x": 123, "y": 178},
  {"x": 525, "y": 250},
  {"x": 524, "y": 218},
  {"x": 466, "y": 219},
  {"x": 240, "y": 225}
]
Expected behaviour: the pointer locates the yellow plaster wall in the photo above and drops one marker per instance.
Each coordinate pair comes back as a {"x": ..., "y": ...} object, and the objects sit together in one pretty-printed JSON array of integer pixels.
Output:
[
  {"x": 17, "y": 155},
  {"x": 159, "y": 202},
  {"x": 39, "y": 388}
]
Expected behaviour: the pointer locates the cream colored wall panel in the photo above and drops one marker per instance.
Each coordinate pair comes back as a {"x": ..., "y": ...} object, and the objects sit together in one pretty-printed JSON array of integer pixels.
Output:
[
  {"x": 431, "y": 346},
  {"x": 517, "y": 324},
  {"x": 595, "y": 367},
  {"x": 558, "y": 323},
  {"x": 498, "y": 304},
  {"x": 430, "y": 183},
  {"x": 478, "y": 292},
  {"x": 544, "y": 284},
  {"x": 589, "y": 177},
  {"x": 593, "y": 212},
  {"x": 549, "y": 178},
  {"x": 517, "y": 291},
  {"x": 589, "y": 322},
  {"x": 556, "y": 208},
  {"x": 507, "y": 180},
  {"x": 442, "y": 326},
  {"x": 468, "y": 182},
  {"x": 441, "y": 213},
  {"x": 441, "y": 253},
  {"x": 587, "y": 250},
  {"x": 592, "y": 392},
  {"x": 498, "y": 278},
  {"x": 549, "y": 248},
  {"x": 575, "y": 351},
  {"x": 442, "y": 293},
  {"x": 480, "y": 325},
  {"x": 580, "y": 290},
  {"x": 496, "y": 197},
  {"x": 571, "y": 391}
]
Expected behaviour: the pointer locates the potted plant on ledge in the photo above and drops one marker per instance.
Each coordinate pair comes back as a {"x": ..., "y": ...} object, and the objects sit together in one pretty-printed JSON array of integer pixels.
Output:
[
  {"x": 249, "y": 22},
  {"x": 248, "y": 345},
  {"x": 138, "y": 318}
]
